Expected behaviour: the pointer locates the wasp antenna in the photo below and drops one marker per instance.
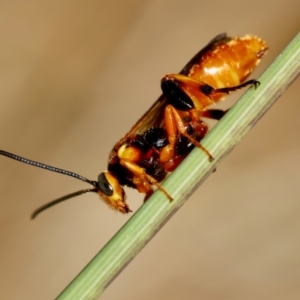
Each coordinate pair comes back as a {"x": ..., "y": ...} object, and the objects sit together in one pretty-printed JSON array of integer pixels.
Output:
[
  {"x": 47, "y": 167},
  {"x": 59, "y": 200}
]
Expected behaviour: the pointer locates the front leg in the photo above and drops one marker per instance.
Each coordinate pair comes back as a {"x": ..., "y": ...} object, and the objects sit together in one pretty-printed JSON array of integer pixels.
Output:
[
  {"x": 142, "y": 180},
  {"x": 129, "y": 157}
]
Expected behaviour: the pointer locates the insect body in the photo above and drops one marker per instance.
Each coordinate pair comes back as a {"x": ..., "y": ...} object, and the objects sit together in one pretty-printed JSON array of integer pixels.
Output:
[{"x": 172, "y": 127}]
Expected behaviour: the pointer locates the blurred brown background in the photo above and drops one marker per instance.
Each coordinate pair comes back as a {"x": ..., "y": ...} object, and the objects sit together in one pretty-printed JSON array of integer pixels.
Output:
[{"x": 75, "y": 76}]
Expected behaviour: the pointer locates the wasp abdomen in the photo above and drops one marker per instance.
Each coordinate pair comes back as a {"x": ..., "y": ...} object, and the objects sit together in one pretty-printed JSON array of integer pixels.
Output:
[{"x": 231, "y": 63}]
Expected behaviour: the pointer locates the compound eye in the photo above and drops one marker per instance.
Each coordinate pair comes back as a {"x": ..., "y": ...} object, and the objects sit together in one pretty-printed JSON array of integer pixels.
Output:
[{"x": 104, "y": 185}]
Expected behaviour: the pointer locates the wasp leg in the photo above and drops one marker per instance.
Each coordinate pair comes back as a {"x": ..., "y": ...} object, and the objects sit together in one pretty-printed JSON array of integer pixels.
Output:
[
  {"x": 142, "y": 180},
  {"x": 185, "y": 93},
  {"x": 227, "y": 90},
  {"x": 174, "y": 125},
  {"x": 176, "y": 89}
]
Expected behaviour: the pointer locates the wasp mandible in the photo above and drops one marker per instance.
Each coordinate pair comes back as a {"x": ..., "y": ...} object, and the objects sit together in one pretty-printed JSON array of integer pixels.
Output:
[{"x": 173, "y": 125}]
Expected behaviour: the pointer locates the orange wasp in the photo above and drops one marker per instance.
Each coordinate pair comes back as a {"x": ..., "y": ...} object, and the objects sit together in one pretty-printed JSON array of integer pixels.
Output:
[{"x": 172, "y": 127}]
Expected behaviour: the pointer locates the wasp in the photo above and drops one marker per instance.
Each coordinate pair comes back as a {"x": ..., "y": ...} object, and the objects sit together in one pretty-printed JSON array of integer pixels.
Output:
[{"x": 173, "y": 125}]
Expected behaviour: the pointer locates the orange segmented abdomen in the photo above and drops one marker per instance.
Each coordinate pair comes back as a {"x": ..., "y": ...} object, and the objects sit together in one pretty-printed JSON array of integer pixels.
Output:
[{"x": 231, "y": 63}]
